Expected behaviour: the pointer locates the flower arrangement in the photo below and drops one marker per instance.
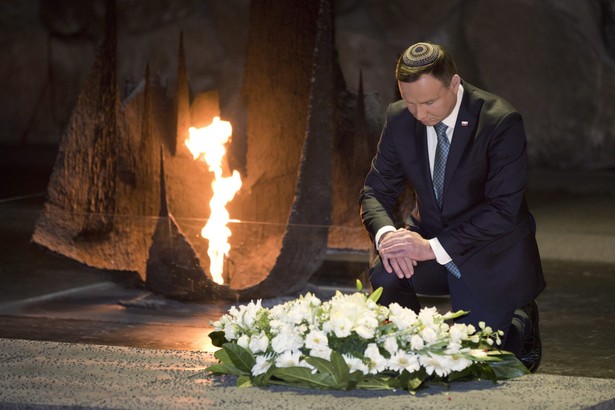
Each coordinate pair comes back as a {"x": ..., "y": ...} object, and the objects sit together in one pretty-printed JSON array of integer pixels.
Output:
[{"x": 352, "y": 342}]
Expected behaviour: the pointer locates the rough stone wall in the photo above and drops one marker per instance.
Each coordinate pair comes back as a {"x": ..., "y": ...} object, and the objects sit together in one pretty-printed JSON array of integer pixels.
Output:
[
  {"x": 276, "y": 93},
  {"x": 554, "y": 60},
  {"x": 285, "y": 199}
]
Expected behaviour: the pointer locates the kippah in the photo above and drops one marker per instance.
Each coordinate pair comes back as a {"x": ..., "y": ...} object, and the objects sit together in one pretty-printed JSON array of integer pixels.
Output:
[{"x": 421, "y": 54}]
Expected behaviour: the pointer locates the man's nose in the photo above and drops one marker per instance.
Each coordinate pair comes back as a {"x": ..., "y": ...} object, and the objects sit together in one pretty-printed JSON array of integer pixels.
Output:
[{"x": 420, "y": 113}]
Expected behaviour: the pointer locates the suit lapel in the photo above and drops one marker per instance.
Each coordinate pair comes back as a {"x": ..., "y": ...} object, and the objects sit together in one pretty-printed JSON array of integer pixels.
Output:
[
  {"x": 465, "y": 128},
  {"x": 423, "y": 151},
  {"x": 422, "y": 158}
]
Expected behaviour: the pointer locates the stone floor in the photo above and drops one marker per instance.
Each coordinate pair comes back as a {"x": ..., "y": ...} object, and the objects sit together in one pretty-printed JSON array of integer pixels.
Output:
[
  {"x": 58, "y": 317},
  {"x": 50, "y": 375}
]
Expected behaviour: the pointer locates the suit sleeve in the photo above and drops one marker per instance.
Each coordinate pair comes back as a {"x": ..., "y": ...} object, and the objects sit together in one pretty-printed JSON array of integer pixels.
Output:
[{"x": 383, "y": 185}]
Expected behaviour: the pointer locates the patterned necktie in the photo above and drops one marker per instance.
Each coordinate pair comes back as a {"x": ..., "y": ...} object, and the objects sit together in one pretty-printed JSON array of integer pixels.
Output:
[{"x": 439, "y": 167}]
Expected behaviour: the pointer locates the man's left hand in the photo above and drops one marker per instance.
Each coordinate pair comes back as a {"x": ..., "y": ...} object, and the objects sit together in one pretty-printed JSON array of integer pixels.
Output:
[{"x": 406, "y": 244}]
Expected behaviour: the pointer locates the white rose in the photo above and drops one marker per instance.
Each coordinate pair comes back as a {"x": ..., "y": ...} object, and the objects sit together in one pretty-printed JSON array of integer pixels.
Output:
[
  {"x": 259, "y": 343},
  {"x": 458, "y": 332},
  {"x": 365, "y": 332},
  {"x": 458, "y": 363},
  {"x": 416, "y": 342},
  {"x": 402, "y": 317},
  {"x": 390, "y": 345},
  {"x": 429, "y": 335},
  {"x": 286, "y": 341},
  {"x": 316, "y": 339},
  {"x": 340, "y": 325},
  {"x": 377, "y": 362},
  {"x": 321, "y": 352},
  {"x": 229, "y": 332},
  {"x": 428, "y": 315},
  {"x": 244, "y": 341}
]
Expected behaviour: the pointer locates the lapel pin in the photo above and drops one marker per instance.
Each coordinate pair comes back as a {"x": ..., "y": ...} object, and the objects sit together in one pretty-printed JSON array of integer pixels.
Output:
[{"x": 464, "y": 123}]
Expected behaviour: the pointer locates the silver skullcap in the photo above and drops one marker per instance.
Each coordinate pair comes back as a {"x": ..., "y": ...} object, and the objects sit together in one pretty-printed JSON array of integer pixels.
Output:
[{"x": 421, "y": 54}]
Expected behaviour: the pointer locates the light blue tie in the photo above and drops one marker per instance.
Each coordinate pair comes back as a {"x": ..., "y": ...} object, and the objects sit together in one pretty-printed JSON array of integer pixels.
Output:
[{"x": 439, "y": 168}]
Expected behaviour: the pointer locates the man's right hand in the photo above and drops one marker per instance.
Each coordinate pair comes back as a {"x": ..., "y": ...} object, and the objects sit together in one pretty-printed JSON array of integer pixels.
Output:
[
  {"x": 400, "y": 250},
  {"x": 403, "y": 266}
]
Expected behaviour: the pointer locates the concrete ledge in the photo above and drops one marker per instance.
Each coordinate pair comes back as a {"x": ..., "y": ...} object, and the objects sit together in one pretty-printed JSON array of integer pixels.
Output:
[{"x": 44, "y": 375}]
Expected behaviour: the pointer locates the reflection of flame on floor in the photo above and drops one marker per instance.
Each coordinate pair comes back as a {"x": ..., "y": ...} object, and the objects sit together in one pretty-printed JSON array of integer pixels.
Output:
[{"x": 208, "y": 143}]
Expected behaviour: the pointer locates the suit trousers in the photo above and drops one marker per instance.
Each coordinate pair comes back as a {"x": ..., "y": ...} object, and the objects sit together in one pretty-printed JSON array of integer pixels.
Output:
[{"x": 432, "y": 279}]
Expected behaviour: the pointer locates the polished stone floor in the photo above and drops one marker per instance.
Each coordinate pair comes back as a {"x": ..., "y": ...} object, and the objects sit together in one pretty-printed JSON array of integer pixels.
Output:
[{"x": 44, "y": 297}]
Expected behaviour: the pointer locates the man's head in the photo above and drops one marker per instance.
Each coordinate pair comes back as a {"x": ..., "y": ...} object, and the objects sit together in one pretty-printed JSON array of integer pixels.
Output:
[{"x": 428, "y": 82}]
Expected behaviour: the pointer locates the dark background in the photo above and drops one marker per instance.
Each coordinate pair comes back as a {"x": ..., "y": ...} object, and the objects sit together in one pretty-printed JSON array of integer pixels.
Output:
[{"x": 554, "y": 60}]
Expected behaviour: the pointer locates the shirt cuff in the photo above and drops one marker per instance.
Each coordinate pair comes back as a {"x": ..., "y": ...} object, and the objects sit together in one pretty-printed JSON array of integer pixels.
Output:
[
  {"x": 442, "y": 257},
  {"x": 381, "y": 232}
]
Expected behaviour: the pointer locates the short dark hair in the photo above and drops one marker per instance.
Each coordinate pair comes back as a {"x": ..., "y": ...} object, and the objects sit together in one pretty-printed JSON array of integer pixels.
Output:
[{"x": 425, "y": 58}]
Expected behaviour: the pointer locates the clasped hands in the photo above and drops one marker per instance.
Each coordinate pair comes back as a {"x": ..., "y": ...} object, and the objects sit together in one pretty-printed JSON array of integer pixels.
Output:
[{"x": 400, "y": 251}]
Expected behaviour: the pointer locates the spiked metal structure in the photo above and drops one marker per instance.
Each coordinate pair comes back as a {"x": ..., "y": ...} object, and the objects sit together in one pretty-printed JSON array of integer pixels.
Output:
[{"x": 127, "y": 195}]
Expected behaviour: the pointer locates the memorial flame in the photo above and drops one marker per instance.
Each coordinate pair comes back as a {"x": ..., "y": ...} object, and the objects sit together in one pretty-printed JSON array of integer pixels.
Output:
[{"x": 208, "y": 144}]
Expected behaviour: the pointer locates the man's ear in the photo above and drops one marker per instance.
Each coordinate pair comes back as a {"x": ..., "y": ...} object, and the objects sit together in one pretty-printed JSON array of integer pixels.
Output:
[{"x": 455, "y": 81}]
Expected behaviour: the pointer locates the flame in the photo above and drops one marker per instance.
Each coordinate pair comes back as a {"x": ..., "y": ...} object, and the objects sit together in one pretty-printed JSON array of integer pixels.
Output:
[{"x": 208, "y": 144}]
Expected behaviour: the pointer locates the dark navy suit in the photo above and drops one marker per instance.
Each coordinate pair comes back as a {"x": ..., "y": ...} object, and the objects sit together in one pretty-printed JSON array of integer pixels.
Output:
[{"x": 484, "y": 223}]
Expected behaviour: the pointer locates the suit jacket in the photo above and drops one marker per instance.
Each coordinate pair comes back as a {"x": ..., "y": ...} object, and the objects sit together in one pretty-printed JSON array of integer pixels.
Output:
[{"x": 484, "y": 223}]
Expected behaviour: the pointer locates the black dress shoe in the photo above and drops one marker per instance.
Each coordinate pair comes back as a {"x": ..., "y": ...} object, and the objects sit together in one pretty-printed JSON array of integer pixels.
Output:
[{"x": 531, "y": 349}]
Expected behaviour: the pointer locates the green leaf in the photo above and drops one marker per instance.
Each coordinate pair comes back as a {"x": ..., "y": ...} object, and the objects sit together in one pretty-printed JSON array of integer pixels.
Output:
[
  {"x": 376, "y": 294},
  {"x": 466, "y": 374},
  {"x": 222, "y": 356},
  {"x": 378, "y": 382},
  {"x": 324, "y": 366},
  {"x": 412, "y": 381},
  {"x": 455, "y": 315},
  {"x": 226, "y": 365},
  {"x": 485, "y": 371},
  {"x": 244, "y": 381},
  {"x": 223, "y": 369},
  {"x": 240, "y": 357},
  {"x": 339, "y": 364},
  {"x": 336, "y": 368},
  {"x": 353, "y": 379},
  {"x": 302, "y": 377},
  {"x": 263, "y": 379},
  {"x": 508, "y": 367},
  {"x": 217, "y": 338},
  {"x": 354, "y": 344}
]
